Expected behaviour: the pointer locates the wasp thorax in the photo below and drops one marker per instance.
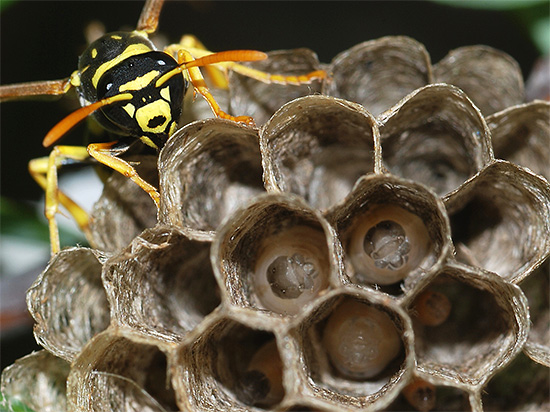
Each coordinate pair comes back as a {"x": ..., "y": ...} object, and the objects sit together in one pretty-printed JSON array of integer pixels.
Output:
[
  {"x": 292, "y": 269},
  {"x": 387, "y": 244},
  {"x": 360, "y": 340}
]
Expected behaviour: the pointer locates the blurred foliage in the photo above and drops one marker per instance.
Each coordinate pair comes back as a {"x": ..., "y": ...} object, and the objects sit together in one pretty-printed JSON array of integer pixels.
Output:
[
  {"x": 493, "y": 4},
  {"x": 5, "y": 3},
  {"x": 533, "y": 15},
  {"x": 11, "y": 404},
  {"x": 21, "y": 220}
]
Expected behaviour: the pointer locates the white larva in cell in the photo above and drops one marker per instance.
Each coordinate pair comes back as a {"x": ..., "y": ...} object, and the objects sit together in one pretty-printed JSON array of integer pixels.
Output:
[{"x": 291, "y": 270}]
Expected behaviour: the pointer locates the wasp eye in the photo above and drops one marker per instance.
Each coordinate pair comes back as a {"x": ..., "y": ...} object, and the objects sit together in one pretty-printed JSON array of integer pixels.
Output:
[
  {"x": 105, "y": 85},
  {"x": 360, "y": 340}
]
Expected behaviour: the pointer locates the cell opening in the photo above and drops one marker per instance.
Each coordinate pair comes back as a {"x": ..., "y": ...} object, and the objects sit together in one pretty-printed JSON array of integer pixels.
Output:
[
  {"x": 354, "y": 348},
  {"x": 387, "y": 243},
  {"x": 472, "y": 333},
  {"x": 246, "y": 364}
]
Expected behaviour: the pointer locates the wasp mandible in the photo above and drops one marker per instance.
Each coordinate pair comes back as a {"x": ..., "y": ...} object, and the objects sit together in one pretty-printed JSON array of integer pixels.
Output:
[{"x": 135, "y": 92}]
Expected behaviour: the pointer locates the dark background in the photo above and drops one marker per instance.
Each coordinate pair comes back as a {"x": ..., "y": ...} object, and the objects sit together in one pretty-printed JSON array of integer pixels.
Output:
[{"x": 42, "y": 41}]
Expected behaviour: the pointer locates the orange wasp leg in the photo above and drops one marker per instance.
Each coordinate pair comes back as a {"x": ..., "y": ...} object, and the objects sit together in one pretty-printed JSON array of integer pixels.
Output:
[
  {"x": 275, "y": 78},
  {"x": 104, "y": 154},
  {"x": 218, "y": 71},
  {"x": 44, "y": 172}
]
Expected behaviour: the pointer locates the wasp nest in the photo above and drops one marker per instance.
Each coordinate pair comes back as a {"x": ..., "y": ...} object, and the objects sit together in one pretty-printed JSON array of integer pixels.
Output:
[{"x": 380, "y": 246}]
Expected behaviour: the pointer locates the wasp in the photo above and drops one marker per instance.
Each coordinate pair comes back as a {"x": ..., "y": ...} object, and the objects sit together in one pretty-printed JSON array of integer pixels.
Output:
[{"x": 135, "y": 92}]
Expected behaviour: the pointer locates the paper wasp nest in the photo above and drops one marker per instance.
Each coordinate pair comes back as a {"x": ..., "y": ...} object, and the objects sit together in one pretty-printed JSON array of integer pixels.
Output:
[{"x": 380, "y": 246}]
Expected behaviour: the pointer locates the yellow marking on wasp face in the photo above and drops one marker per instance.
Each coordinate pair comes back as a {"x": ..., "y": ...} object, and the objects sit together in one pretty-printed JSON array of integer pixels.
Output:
[
  {"x": 130, "y": 109},
  {"x": 116, "y": 37},
  {"x": 165, "y": 93},
  {"x": 173, "y": 127},
  {"x": 131, "y": 50},
  {"x": 139, "y": 82},
  {"x": 94, "y": 53},
  {"x": 151, "y": 111},
  {"x": 148, "y": 142}
]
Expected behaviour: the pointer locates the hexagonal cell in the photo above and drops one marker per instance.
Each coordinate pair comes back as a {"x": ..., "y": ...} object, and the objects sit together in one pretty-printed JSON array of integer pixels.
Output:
[
  {"x": 231, "y": 367},
  {"x": 521, "y": 135},
  {"x": 162, "y": 285},
  {"x": 485, "y": 324},
  {"x": 260, "y": 100},
  {"x": 276, "y": 255},
  {"x": 36, "y": 380},
  {"x": 393, "y": 231},
  {"x": 357, "y": 349},
  {"x": 379, "y": 73},
  {"x": 317, "y": 147},
  {"x": 435, "y": 136},
  {"x": 420, "y": 395},
  {"x": 536, "y": 288},
  {"x": 522, "y": 386},
  {"x": 209, "y": 168},
  {"x": 500, "y": 220},
  {"x": 68, "y": 302},
  {"x": 124, "y": 210},
  {"x": 120, "y": 372},
  {"x": 490, "y": 77}
]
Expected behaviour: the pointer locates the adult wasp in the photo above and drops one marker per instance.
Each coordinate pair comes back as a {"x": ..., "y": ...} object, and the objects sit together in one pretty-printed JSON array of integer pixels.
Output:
[{"x": 135, "y": 92}]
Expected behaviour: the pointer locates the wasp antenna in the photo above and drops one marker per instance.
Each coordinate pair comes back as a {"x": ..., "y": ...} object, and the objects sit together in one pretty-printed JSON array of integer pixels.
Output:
[
  {"x": 61, "y": 128},
  {"x": 227, "y": 56},
  {"x": 220, "y": 57}
]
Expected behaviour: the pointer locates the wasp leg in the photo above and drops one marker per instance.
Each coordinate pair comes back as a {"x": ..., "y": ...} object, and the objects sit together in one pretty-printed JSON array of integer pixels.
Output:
[
  {"x": 193, "y": 45},
  {"x": 275, "y": 78},
  {"x": 44, "y": 172},
  {"x": 34, "y": 89},
  {"x": 218, "y": 74},
  {"x": 149, "y": 18},
  {"x": 195, "y": 76},
  {"x": 105, "y": 154}
]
